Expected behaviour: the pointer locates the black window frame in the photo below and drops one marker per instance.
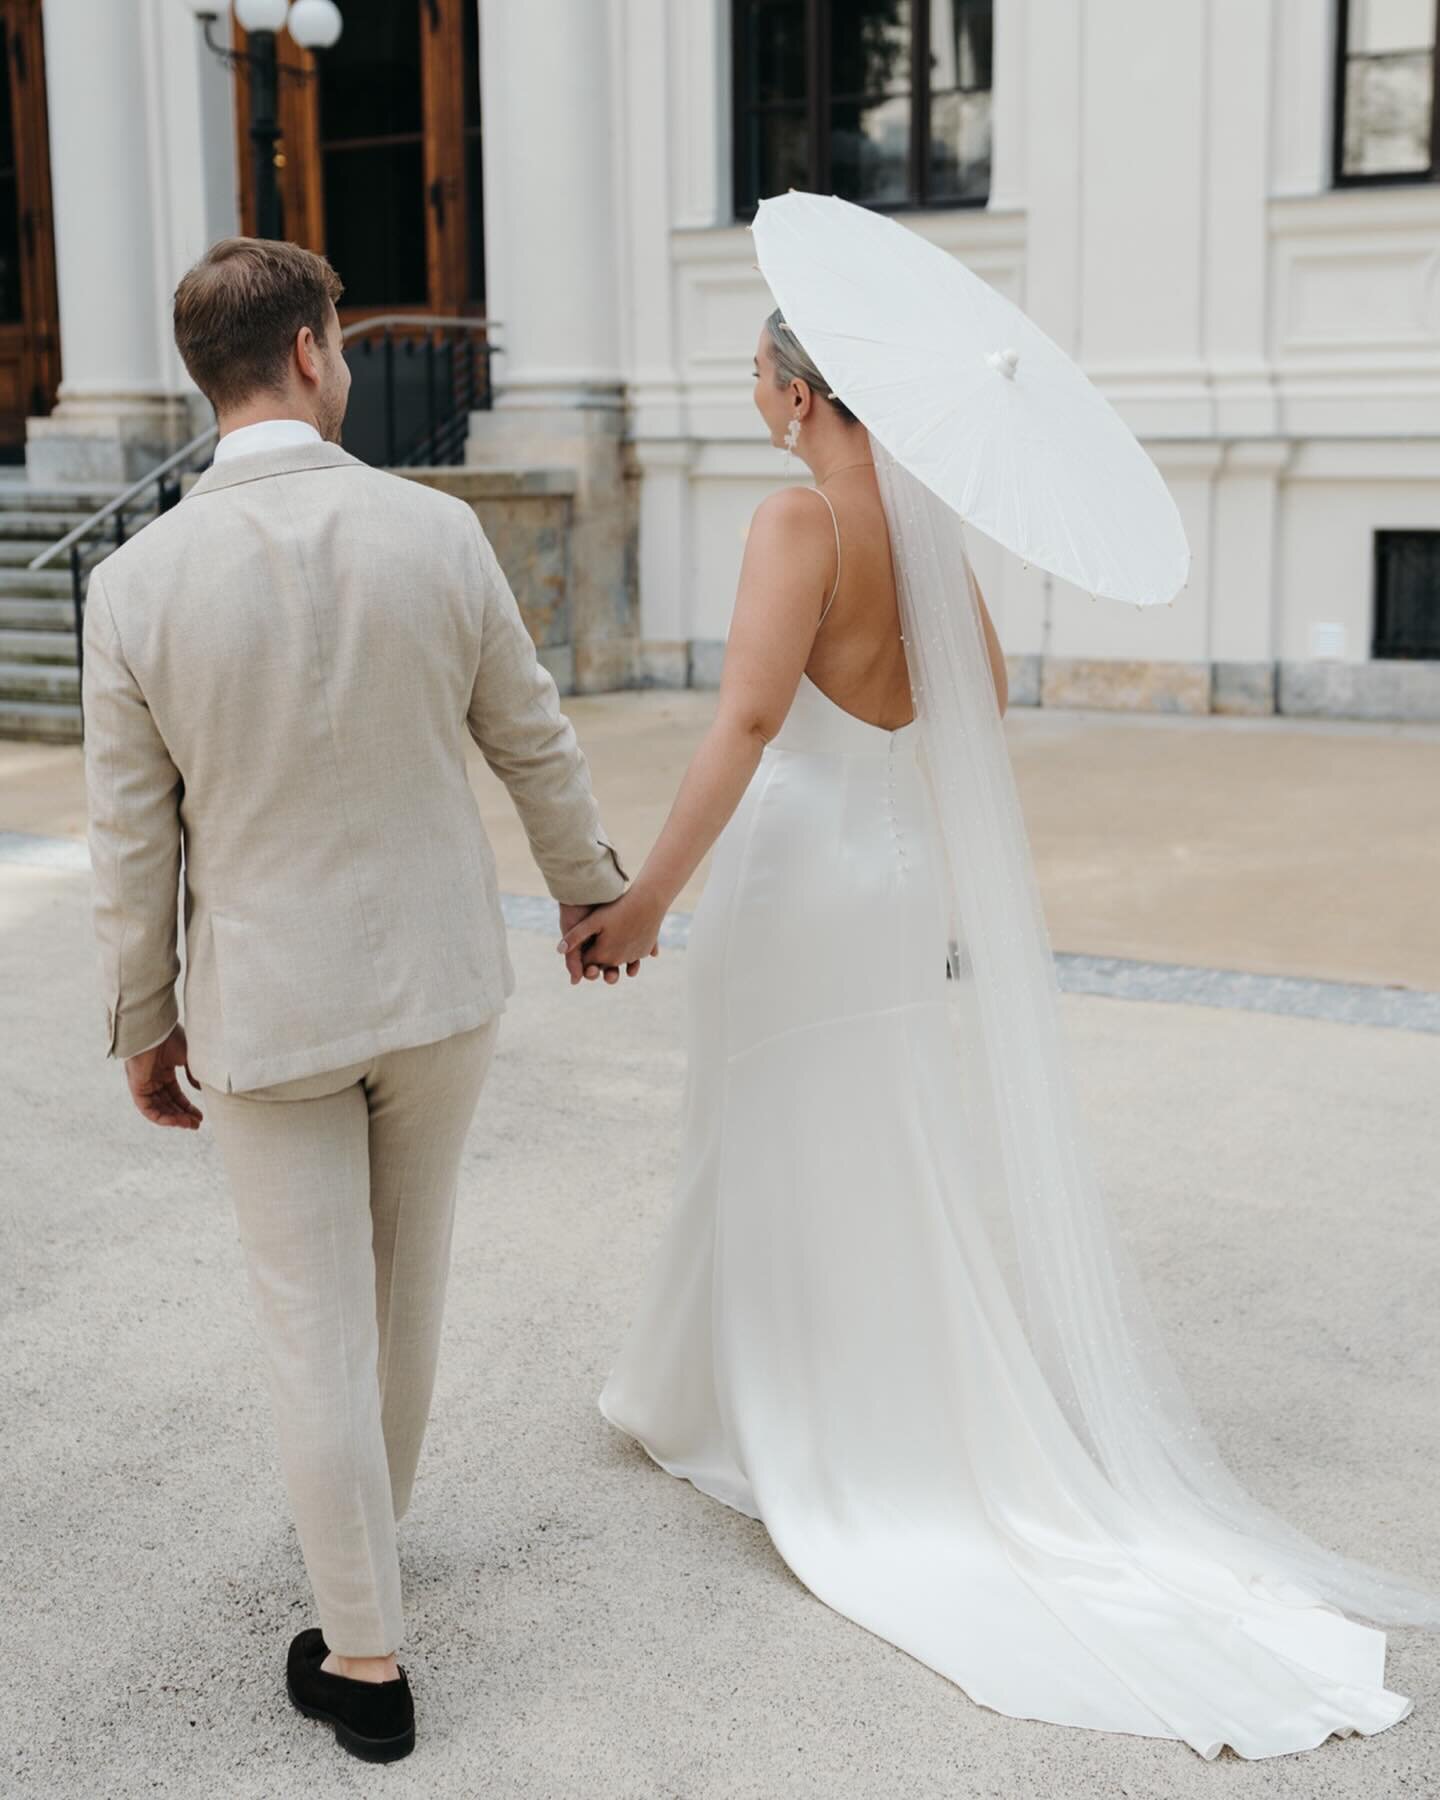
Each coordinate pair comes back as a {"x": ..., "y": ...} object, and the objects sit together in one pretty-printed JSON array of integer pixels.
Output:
[
  {"x": 818, "y": 107},
  {"x": 1388, "y": 642},
  {"x": 1340, "y": 177}
]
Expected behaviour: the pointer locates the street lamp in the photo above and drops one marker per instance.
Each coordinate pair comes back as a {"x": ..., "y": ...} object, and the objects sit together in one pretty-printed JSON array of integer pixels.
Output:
[{"x": 314, "y": 25}]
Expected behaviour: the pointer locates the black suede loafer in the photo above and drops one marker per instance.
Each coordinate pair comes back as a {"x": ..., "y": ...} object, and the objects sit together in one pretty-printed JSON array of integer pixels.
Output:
[{"x": 374, "y": 1720}]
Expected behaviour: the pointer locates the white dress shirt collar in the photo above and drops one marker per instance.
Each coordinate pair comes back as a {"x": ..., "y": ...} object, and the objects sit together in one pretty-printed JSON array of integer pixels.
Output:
[{"x": 269, "y": 434}]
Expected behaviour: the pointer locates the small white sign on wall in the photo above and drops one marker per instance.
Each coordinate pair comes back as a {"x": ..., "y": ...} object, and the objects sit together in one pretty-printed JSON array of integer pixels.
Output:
[{"x": 1327, "y": 641}]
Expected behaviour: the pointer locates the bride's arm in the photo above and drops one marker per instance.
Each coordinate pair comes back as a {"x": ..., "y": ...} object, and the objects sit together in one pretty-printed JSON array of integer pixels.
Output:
[
  {"x": 996, "y": 654},
  {"x": 787, "y": 571}
]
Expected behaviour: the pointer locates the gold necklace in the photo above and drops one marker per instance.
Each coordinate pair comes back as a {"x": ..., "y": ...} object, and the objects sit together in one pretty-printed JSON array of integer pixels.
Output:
[{"x": 845, "y": 469}]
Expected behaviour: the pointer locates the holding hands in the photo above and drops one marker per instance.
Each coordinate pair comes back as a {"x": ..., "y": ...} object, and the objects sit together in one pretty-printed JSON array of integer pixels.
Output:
[{"x": 601, "y": 940}]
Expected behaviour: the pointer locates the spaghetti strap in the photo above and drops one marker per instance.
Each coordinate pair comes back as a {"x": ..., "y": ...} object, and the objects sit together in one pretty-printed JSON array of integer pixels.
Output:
[{"x": 836, "y": 523}]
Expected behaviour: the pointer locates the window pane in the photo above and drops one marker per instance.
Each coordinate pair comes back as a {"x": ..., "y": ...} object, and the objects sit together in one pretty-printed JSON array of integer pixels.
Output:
[
  {"x": 1387, "y": 114},
  {"x": 1383, "y": 26},
  {"x": 959, "y": 147},
  {"x": 370, "y": 79},
  {"x": 775, "y": 156},
  {"x": 870, "y": 152},
  {"x": 960, "y": 44},
  {"x": 1389, "y": 81},
  {"x": 375, "y": 224},
  {"x": 869, "y": 47},
  {"x": 1407, "y": 594},
  {"x": 772, "y": 52}
]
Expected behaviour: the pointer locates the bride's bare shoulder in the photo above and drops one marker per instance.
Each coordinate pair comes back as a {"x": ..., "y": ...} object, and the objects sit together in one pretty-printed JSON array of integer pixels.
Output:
[
  {"x": 794, "y": 508},
  {"x": 790, "y": 518}
]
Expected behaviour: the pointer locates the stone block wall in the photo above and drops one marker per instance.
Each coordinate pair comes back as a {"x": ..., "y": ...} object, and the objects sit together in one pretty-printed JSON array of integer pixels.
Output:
[{"x": 528, "y": 516}]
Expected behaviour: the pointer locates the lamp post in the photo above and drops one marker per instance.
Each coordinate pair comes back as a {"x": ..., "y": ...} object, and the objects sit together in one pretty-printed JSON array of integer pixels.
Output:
[{"x": 314, "y": 25}]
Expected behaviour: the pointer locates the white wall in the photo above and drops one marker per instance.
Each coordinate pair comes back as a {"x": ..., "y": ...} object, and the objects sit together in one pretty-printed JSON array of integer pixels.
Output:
[{"x": 1161, "y": 204}]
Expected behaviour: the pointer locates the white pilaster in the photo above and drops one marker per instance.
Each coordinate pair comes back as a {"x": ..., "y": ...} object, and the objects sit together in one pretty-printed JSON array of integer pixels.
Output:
[
  {"x": 1235, "y": 221},
  {"x": 561, "y": 281},
  {"x": 1009, "y": 146},
  {"x": 142, "y": 173},
  {"x": 551, "y": 218}
]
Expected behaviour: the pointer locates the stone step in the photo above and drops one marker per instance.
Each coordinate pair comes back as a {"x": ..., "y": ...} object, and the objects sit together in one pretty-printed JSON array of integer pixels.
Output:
[
  {"x": 15, "y": 553},
  {"x": 31, "y": 681},
  {"x": 36, "y": 615},
  {"x": 39, "y": 721},
  {"x": 39, "y": 529},
  {"x": 29, "y": 496},
  {"x": 37, "y": 647},
  {"x": 36, "y": 584}
]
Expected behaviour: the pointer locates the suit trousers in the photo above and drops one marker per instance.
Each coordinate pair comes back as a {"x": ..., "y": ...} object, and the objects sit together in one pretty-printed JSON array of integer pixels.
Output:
[{"x": 344, "y": 1190}]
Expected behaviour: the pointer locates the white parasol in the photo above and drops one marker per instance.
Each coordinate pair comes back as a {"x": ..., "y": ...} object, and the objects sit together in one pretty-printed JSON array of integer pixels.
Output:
[{"x": 972, "y": 398}]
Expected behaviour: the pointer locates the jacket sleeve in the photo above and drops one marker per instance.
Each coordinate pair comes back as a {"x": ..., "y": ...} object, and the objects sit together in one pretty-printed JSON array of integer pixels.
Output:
[
  {"x": 516, "y": 720},
  {"x": 134, "y": 793}
]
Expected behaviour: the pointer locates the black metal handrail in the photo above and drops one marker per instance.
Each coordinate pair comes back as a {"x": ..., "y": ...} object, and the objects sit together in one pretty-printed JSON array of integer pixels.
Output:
[{"x": 451, "y": 358}]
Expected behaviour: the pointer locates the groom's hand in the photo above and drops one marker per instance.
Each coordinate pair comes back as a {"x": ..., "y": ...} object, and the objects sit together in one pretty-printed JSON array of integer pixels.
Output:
[
  {"x": 609, "y": 938},
  {"x": 570, "y": 917},
  {"x": 155, "y": 1084}
]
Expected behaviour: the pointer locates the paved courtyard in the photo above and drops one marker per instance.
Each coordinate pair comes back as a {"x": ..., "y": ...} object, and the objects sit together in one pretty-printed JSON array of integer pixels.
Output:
[{"x": 579, "y": 1623}]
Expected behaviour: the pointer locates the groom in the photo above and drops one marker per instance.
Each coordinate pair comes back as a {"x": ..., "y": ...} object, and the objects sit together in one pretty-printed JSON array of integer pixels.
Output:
[{"x": 279, "y": 677}]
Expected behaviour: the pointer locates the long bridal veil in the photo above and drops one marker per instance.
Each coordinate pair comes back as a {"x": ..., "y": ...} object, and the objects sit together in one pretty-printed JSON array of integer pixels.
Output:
[{"x": 1150, "y": 1471}]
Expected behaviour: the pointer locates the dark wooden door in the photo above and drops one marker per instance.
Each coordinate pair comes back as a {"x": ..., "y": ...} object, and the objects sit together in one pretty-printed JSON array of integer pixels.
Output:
[
  {"x": 29, "y": 314},
  {"x": 380, "y": 156}
]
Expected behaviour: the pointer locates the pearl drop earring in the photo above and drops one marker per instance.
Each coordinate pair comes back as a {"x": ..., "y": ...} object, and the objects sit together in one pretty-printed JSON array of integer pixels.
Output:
[{"x": 792, "y": 438}]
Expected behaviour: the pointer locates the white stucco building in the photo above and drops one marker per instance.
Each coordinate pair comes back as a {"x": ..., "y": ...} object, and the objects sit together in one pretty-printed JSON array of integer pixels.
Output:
[{"x": 1164, "y": 196}]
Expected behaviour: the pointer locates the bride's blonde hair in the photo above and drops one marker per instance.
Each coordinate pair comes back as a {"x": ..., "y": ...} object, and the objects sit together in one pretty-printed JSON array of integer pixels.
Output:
[{"x": 792, "y": 363}]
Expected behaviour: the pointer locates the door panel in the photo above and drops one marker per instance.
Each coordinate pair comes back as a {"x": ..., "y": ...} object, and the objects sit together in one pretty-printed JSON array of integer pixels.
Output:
[
  {"x": 381, "y": 156},
  {"x": 29, "y": 316}
]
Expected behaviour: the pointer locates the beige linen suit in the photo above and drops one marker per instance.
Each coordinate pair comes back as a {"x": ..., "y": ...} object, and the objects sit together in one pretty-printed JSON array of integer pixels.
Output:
[{"x": 279, "y": 678}]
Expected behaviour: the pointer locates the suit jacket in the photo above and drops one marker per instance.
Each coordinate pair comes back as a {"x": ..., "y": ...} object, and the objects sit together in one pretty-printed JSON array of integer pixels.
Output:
[{"x": 278, "y": 678}]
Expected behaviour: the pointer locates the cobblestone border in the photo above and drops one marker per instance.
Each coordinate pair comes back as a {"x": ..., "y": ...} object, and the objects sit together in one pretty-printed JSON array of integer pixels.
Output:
[{"x": 1112, "y": 977}]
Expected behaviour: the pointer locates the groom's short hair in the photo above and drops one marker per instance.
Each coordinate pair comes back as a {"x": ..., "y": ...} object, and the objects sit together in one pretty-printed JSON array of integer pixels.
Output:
[{"x": 237, "y": 313}]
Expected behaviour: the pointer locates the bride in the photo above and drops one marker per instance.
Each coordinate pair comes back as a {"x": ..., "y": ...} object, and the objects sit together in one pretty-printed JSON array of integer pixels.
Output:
[{"x": 890, "y": 1317}]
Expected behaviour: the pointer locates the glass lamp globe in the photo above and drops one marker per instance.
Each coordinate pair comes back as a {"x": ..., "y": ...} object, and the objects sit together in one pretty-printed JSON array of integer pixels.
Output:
[
  {"x": 315, "y": 24},
  {"x": 262, "y": 15}
]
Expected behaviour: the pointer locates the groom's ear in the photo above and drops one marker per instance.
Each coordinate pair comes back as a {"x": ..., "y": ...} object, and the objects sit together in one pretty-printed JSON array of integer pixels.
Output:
[{"x": 308, "y": 354}]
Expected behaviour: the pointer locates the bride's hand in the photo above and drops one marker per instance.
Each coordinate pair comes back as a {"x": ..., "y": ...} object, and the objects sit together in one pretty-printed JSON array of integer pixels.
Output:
[{"x": 615, "y": 936}]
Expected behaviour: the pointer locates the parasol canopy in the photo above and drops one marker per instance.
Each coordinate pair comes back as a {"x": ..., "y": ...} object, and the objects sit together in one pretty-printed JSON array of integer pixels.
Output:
[{"x": 972, "y": 398}]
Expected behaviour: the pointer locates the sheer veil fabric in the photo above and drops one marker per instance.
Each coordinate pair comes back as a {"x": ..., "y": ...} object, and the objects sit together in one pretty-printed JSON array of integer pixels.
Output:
[{"x": 1147, "y": 1477}]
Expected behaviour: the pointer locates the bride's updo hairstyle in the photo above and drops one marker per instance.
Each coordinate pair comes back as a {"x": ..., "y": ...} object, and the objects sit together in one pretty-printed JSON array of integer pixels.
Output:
[{"x": 792, "y": 363}]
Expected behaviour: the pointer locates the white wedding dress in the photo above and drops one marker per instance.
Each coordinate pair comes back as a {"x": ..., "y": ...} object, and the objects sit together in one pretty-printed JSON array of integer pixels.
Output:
[{"x": 827, "y": 1342}]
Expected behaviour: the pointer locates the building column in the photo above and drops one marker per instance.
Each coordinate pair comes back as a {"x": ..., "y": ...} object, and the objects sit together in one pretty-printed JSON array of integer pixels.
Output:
[
  {"x": 550, "y": 81},
  {"x": 142, "y": 170}
]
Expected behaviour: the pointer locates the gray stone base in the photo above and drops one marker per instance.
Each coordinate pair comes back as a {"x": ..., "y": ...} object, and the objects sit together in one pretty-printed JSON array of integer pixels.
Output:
[
  {"x": 707, "y": 658},
  {"x": 1022, "y": 674},
  {"x": 1112, "y": 684},
  {"x": 1370, "y": 690},
  {"x": 1242, "y": 687},
  {"x": 584, "y": 438},
  {"x": 663, "y": 664},
  {"x": 110, "y": 439},
  {"x": 526, "y": 514}
]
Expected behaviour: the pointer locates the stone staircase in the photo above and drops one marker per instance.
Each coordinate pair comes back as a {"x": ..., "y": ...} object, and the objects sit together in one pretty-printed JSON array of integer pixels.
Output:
[{"x": 39, "y": 673}]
